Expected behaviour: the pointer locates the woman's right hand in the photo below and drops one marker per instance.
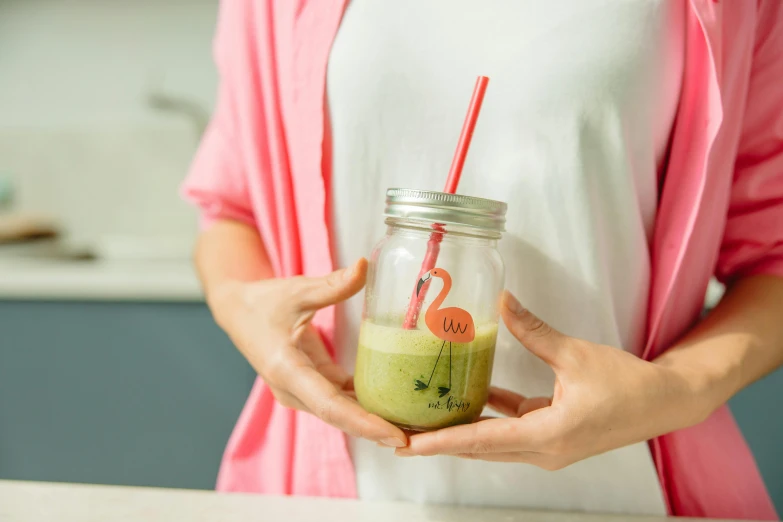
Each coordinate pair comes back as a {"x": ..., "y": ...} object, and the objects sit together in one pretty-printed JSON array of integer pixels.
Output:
[{"x": 269, "y": 321}]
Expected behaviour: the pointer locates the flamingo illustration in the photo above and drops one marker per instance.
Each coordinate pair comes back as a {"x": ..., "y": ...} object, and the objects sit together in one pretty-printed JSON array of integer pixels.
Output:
[{"x": 453, "y": 325}]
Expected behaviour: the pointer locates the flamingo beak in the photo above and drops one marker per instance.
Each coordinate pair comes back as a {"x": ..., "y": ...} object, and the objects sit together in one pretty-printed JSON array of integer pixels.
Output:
[{"x": 423, "y": 280}]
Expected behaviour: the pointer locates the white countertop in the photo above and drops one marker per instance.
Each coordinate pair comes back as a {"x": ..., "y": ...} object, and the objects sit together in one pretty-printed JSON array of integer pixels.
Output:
[
  {"x": 38, "y": 279},
  {"x": 46, "y": 502}
]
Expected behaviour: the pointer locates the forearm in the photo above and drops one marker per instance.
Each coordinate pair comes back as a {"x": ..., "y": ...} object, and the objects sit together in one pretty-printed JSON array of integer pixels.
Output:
[
  {"x": 739, "y": 342},
  {"x": 228, "y": 254}
]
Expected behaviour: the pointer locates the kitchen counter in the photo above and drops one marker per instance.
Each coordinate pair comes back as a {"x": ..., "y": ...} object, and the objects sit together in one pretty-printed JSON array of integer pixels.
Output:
[
  {"x": 44, "y": 502},
  {"x": 169, "y": 280},
  {"x": 41, "y": 279}
]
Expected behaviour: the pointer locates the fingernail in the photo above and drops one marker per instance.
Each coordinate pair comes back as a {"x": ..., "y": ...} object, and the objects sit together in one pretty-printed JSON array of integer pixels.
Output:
[
  {"x": 393, "y": 442},
  {"x": 513, "y": 304},
  {"x": 348, "y": 273}
]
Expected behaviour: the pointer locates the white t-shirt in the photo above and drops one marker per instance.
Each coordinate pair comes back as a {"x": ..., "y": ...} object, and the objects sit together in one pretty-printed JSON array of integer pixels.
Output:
[{"x": 573, "y": 135}]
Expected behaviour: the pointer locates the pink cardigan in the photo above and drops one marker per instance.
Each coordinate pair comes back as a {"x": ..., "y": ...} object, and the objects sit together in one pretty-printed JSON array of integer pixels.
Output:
[{"x": 265, "y": 161}]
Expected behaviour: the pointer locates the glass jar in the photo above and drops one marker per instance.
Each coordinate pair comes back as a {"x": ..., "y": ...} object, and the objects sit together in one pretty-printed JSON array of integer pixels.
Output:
[{"x": 428, "y": 370}]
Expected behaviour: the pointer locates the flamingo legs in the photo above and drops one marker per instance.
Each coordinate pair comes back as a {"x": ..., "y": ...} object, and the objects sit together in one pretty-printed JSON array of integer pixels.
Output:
[{"x": 442, "y": 390}]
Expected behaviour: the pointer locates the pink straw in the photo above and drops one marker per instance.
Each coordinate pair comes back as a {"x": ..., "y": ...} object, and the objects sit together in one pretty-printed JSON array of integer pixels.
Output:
[{"x": 433, "y": 245}]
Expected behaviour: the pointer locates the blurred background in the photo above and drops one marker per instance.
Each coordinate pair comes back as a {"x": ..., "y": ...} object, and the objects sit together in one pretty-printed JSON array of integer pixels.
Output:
[{"x": 111, "y": 369}]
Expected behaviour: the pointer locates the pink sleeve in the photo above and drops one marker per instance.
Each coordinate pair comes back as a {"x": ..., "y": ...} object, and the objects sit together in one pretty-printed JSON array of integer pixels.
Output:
[
  {"x": 217, "y": 182},
  {"x": 753, "y": 239}
]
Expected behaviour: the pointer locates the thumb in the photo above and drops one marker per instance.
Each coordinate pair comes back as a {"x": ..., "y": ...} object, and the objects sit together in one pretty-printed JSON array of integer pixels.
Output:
[
  {"x": 320, "y": 292},
  {"x": 541, "y": 339}
]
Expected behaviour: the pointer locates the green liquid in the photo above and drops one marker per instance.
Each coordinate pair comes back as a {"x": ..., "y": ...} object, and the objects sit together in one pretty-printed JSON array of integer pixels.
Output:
[{"x": 394, "y": 376}]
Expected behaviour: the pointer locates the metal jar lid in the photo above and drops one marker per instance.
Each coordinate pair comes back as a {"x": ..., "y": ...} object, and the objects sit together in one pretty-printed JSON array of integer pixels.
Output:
[{"x": 440, "y": 207}]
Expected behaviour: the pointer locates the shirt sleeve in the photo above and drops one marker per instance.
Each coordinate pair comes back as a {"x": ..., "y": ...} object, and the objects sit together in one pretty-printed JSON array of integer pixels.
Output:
[
  {"x": 753, "y": 239},
  {"x": 216, "y": 182}
]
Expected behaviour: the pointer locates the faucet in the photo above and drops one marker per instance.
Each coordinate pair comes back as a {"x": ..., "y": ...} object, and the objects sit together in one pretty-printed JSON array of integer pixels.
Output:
[
  {"x": 163, "y": 102},
  {"x": 6, "y": 192}
]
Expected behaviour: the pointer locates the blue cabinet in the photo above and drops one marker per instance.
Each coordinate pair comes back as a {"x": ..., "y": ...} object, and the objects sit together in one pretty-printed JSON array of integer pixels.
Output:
[
  {"x": 116, "y": 393},
  {"x": 759, "y": 412}
]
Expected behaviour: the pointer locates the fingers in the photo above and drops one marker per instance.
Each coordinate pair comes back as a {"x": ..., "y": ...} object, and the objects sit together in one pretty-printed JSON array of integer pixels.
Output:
[
  {"x": 530, "y": 405},
  {"x": 324, "y": 400},
  {"x": 306, "y": 378},
  {"x": 504, "y": 401},
  {"x": 541, "y": 339},
  {"x": 540, "y": 460},
  {"x": 319, "y": 292},
  {"x": 287, "y": 400},
  {"x": 310, "y": 344},
  {"x": 490, "y": 436},
  {"x": 513, "y": 404},
  {"x": 528, "y": 457}
]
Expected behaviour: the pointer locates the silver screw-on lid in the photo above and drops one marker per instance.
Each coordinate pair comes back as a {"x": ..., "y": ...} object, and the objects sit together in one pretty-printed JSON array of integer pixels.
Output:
[{"x": 440, "y": 207}]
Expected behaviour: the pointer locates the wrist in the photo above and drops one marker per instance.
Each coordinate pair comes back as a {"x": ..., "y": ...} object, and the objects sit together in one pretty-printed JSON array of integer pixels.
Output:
[
  {"x": 225, "y": 300},
  {"x": 702, "y": 389}
]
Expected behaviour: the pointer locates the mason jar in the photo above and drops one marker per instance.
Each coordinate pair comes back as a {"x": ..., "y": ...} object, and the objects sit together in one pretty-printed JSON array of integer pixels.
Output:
[{"x": 430, "y": 321}]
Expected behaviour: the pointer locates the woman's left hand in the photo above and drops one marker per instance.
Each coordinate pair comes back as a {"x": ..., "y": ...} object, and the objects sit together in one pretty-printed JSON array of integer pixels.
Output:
[{"x": 604, "y": 398}]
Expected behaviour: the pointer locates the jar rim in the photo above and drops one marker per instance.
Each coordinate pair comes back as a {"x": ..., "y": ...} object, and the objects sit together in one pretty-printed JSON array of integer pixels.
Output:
[{"x": 441, "y": 207}]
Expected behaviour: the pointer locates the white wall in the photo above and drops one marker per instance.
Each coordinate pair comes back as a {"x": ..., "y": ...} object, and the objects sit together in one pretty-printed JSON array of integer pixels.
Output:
[
  {"x": 77, "y": 135},
  {"x": 77, "y": 61}
]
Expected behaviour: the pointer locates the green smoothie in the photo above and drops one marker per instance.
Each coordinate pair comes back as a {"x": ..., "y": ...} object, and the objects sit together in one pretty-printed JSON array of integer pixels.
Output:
[{"x": 416, "y": 381}]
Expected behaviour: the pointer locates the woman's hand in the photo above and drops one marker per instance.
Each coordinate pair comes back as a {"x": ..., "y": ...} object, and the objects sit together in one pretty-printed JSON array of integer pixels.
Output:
[
  {"x": 269, "y": 321},
  {"x": 604, "y": 398}
]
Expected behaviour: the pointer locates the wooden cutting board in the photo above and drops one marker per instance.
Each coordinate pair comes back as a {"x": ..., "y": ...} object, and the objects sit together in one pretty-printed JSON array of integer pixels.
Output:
[{"x": 15, "y": 228}]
